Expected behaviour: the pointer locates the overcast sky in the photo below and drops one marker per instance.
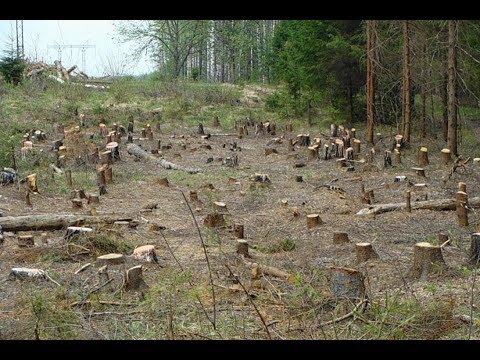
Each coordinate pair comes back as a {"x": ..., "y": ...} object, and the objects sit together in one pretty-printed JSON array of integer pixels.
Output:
[{"x": 40, "y": 33}]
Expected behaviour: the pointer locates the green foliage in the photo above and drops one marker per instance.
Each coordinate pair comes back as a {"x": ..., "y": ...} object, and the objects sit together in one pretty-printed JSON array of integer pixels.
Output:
[
  {"x": 278, "y": 246},
  {"x": 195, "y": 72},
  {"x": 105, "y": 243},
  {"x": 12, "y": 69}
]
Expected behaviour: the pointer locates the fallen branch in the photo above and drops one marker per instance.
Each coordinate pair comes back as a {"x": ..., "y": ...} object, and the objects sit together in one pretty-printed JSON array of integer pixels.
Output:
[
  {"x": 137, "y": 151},
  {"x": 361, "y": 305},
  {"x": 270, "y": 270},
  {"x": 441, "y": 204}
]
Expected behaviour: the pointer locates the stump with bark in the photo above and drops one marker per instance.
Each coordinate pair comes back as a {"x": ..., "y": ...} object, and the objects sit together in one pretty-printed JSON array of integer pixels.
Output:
[
  {"x": 365, "y": 252},
  {"x": 426, "y": 258},
  {"x": 312, "y": 152},
  {"x": 462, "y": 187},
  {"x": 77, "y": 204},
  {"x": 290, "y": 145},
  {"x": 397, "y": 156},
  {"x": 238, "y": 231},
  {"x": 220, "y": 207},
  {"x": 110, "y": 259},
  {"x": 134, "y": 279},
  {"x": 445, "y": 157},
  {"x": 356, "y": 148},
  {"x": 32, "y": 183},
  {"x": 104, "y": 279},
  {"x": 313, "y": 220},
  {"x": 194, "y": 196},
  {"x": 93, "y": 199},
  {"x": 242, "y": 248},
  {"x": 423, "y": 157},
  {"x": 215, "y": 122},
  {"x": 474, "y": 252},
  {"x": 461, "y": 208},
  {"x": 101, "y": 180},
  {"x": 340, "y": 238},
  {"x": 214, "y": 220},
  {"x": 106, "y": 157},
  {"x": 347, "y": 283}
]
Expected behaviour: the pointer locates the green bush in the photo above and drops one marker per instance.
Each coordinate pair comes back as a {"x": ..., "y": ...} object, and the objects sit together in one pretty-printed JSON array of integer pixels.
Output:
[{"x": 12, "y": 69}]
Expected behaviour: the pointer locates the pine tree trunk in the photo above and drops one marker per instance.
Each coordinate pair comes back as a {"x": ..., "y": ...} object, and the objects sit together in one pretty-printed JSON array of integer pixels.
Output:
[
  {"x": 371, "y": 24},
  {"x": 452, "y": 87},
  {"x": 406, "y": 83}
]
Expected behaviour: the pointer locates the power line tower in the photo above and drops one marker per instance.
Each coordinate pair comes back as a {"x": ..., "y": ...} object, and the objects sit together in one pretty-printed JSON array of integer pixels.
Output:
[
  {"x": 19, "y": 36},
  {"x": 84, "y": 48}
]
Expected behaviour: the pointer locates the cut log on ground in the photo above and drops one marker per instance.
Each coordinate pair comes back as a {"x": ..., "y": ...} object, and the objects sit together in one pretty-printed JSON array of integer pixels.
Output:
[
  {"x": 340, "y": 238},
  {"x": 441, "y": 204},
  {"x": 55, "y": 221},
  {"x": 270, "y": 270},
  {"x": 474, "y": 253},
  {"x": 347, "y": 283},
  {"x": 365, "y": 252},
  {"x": 137, "y": 151},
  {"x": 426, "y": 258}
]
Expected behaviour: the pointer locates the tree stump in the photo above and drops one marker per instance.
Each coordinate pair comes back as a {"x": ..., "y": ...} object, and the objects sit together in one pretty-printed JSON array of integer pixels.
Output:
[
  {"x": 313, "y": 220},
  {"x": 134, "y": 279},
  {"x": 352, "y": 132},
  {"x": 399, "y": 140},
  {"x": 214, "y": 220},
  {"x": 68, "y": 177},
  {"x": 445, "y": 157},
  {"x": 25, "y": 241},
  {"x": 408, "y": 205},
  {"x": 106, "y": 157},
  {"x": 77, "y": 204},
  {"x": 110, "y": 259},
  {"x": 130, "y": 127},
  {"x": 365, "y": 252},
  {"x": 115, "y": 152},
  {"x": 312, "y": 153},
  {"x": 474, "y": 252},
  {"x": 419, "y": 171},
  {"x": 109, "y": 175},
  {"x": 200, "y": 130},
  {"x": 443, "y": 238},
  {"x": 333, "y": 130},
  {"x": 423, "y": 157},
  {"x": 194, "y": 196},
  {"x": 326, "y": 152},
  {"x": 462, "y": 211},
  {"x": 238, "y": 231},
  {"x": 356, "y": 148},
  {"x": 240, "y": 132},
  {"x": 397, "y": 156},
  {"x": 341, "y": 163},
  {"x": 145, "y": 253},
  {"x": 340, "y": 237},
  {"x": 462, "y": 187},
  {"x": 32, "y": 183},
  {"x": 242, "y": 248},
  {"x": 215, "y": 122},
  {"x": 220, "y": 207},
  {"x": 299, "y": 178},
  {"x": 149, "y": 134},
  {"x": 143, "y": 132},
  {"x": 163, "y": 182},
  {"x": 303, "y": 139},
  {"x": 93, "y": 199},
  {"x": 347, "y": 283},
  {"x": 426, "y": 257}
]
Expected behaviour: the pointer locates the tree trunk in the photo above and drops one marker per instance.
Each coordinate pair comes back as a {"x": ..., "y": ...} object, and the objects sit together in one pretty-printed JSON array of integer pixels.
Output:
[
  {"x": 474, "y": 253},
  {"x": 365, "y": 252},
  {"x": 426, "y": 257},
  {"x": 347, "y": 283},
  {"x": 407, "y": 106},
  {"x": 452, "y": 87},
  {"x": 371, "y": 44}
]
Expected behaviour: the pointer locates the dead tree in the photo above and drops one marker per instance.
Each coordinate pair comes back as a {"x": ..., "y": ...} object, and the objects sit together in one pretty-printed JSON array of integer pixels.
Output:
[
  {"x": 365, "y": 252},
  {"x": 426, "y": 257}
]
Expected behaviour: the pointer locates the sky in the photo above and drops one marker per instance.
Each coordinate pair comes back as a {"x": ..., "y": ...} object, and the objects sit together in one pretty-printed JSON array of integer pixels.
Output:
[{"x": 38, "y": 34}]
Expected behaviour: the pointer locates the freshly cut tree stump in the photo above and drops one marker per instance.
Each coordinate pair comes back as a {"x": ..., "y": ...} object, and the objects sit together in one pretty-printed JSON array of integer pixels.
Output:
[
  {"x": 242, "y": 248},
  {"x": 163, "y": 182},
  {"x": 130, "y": 127},
  {"x": 76, "y": 230},
  {"x": 419, "y": 171},
  {"x": 106, "y": 157},
  {"x": 214, "y": 220},
  {"x": 313, "y": 220},
  {"x": 399, "y": 140},
  {"x": 220, "y": 207},
  {"x": 462, "y": 211},
  {"x": 474, "y": 253},
  {"x": 77, "y": 204},
  {"x": 238, "y": 231},
  {"x": 134, "y": 279},
  {"x": 303, "y": 139},
  {"x": 445, "y": 157},
  {"x": 423, "y": 157},
  {"x": 77, "y": 194},
  {"x": 408, "y": 202},
  {"x": 262, "y": 178},
  {"x": 312, "y": 152},
  {"x": 101, "y": 181},
  {"x": 110, "y": 259},
  {"x": 365, "y": 252},
  {"x": 340, "y": 237},
  {"x": 356, "y": 148},
  {"x": 349, "y": 154},
  {"x": 352, "y": 133},
  {"x": 425, "y": 258},
  {"x": 145, "y": 253},
  {"x": 68, "y": 177},
  {"x": 347, "y": 283},
  {"x": 397, "y": 156},
  {"x": 115, "y": 152},
  {"x": 93, "y": 199},
  {"x": 462, "y": 187},
  {"x": 32, "y": 183},
  {"x": 26, "y": 241}
]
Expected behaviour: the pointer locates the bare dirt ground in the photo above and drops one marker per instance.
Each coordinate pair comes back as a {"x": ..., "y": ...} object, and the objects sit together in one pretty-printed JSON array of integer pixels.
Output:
[{"x": 274, "y": 216}]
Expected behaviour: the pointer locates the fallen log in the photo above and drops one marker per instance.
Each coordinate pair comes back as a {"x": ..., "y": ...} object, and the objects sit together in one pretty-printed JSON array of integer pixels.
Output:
[
  {"x": 137, "y": 151},
  {"x": 270, "y": 270},
  {"x": 55, "y": 221},
  {"x": 440, "y": 204}
]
